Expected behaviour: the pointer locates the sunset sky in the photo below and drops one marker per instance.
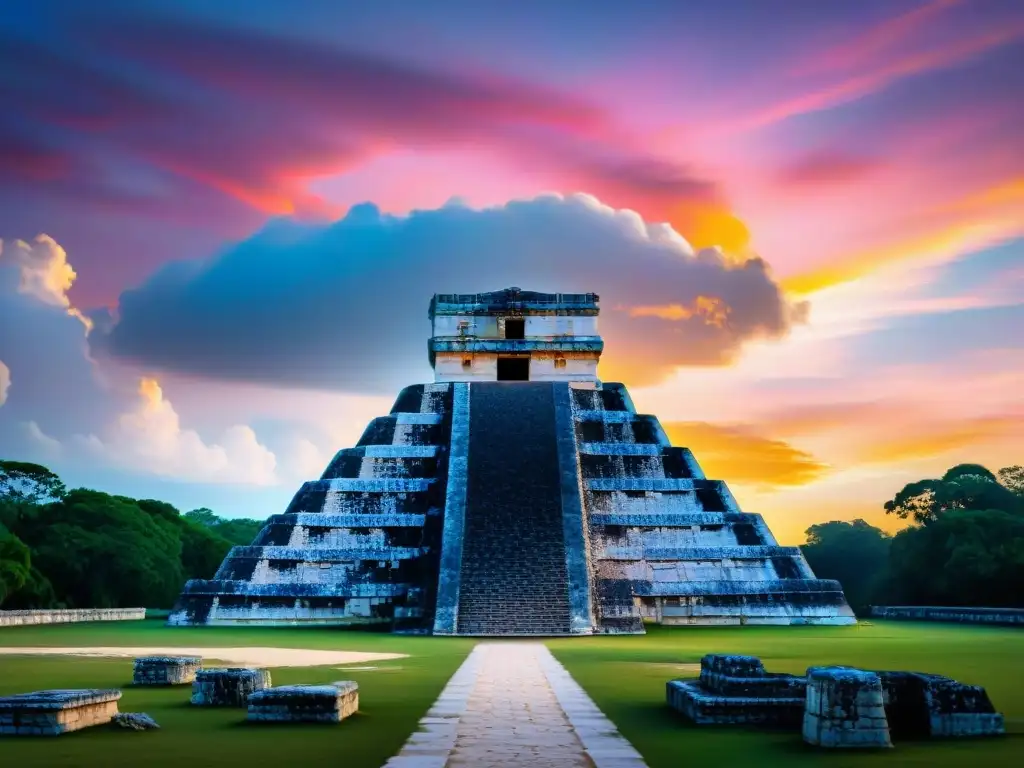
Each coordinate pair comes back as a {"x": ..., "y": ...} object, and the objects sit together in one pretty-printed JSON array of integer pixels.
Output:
[{"x": 222, "y": 224}]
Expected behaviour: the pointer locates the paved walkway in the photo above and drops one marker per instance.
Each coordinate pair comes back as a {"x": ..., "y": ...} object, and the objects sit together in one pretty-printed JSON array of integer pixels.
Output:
[{"x": 512, "y": 704}]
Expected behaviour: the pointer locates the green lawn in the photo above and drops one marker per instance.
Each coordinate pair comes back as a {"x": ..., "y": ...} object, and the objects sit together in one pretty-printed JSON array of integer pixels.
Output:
[
  {"x": 626, "y": 678},
  {"x": 391, "y": 698}
]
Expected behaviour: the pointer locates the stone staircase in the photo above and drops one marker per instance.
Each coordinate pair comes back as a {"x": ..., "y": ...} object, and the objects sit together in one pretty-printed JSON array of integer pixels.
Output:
[{"x": 514, "y": 577}]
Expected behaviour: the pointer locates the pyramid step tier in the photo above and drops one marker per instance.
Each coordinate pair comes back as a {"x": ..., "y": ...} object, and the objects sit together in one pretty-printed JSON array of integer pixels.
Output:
[
  {"x": 696, "y": 553},
  {"x": 314, "y": 554},
  {"x": 788, "y": 587},
  {"x": 324, "y": 520},
  {"x": 295, "y": 589}
]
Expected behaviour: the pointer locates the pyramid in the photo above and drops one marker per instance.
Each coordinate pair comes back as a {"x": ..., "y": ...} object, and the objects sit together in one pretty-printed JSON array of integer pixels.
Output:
[{"x": 517, "y": 494}]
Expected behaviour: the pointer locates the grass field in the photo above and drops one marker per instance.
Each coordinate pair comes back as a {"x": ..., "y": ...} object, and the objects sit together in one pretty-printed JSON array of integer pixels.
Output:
[
  {"x": 392, "y": 698},
  {"x": 626, "y": 678}
]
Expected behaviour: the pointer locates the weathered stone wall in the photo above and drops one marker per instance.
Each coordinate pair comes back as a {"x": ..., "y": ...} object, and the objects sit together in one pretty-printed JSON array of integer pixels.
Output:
[
  {"x": 962, "y": 615},
  {"x": 25, "y": 618}
]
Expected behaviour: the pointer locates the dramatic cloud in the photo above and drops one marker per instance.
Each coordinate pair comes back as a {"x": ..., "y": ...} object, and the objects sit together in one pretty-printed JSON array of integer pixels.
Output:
[
  {"x": 58, "y": 407},
  {"x": 344, "y": 306},
  {"x": 42, "y": 267},
  {"x": 741, "y": 457},
  {"x": 150, "y": 439},
  {"x": 256, "y": 116}
]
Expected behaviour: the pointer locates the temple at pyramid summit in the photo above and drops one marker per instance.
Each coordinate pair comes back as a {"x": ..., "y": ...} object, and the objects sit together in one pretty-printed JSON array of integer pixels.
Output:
[{"x": 517, "y": 494}]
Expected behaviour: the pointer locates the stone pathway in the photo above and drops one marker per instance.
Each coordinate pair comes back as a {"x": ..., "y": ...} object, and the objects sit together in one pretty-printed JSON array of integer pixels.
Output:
[{"x": 512, "y": 704}]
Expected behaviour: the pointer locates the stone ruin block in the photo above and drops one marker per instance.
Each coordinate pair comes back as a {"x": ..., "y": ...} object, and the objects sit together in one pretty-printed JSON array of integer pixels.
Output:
[
  {"x": 920, "y": 705},
  {"x": 736, "y": 690},
  {"x": 165, "y": 670},
  {"x": 305, "y": 703},
  {"x": 135, "y": 721},
  {"x": 51, "y": 713},
  {"x": 845, "y": 708},
  {"x": 228, "y": 687}
]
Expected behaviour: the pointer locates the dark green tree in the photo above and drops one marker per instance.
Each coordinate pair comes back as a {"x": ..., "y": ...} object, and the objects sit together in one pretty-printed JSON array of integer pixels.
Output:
[
  {"x": 15, "y": 565},
  {"x": 965, "y": 486},
  {"x": 856, "y": 554},
  {"x": 104, "y": 551},
  {"x": 240, "y": 531},
  {"x": 202, "y": 549},
  {"x": 964, "y": 557},
  {"x": 31, "y": 483}
]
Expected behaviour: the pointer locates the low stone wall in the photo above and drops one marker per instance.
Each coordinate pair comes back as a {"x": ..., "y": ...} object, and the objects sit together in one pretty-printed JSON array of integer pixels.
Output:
[
  {"x": 961, "y": 615},
  {"x": 51, "y": 713},
  {"x": 27, "y": 618}
]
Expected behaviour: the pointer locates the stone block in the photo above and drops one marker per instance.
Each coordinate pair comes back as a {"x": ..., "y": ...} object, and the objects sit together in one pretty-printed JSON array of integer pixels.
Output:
[
  {"x": 135, "y": 721},
  {"x": 844, "y": 708},
  {"x": 165, "y": 670},
  {"x": 305, "y": 703},
  {"x": 732, "y": 665},
  {"x": 228, "y": 687},
  {"x": 52, "y": 713}
]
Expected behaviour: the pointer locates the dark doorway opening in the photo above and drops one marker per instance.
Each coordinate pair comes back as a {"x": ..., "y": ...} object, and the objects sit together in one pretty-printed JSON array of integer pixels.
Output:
[
  {"x": 515, "y": 328},
  {"x": 513, "y": 369}
]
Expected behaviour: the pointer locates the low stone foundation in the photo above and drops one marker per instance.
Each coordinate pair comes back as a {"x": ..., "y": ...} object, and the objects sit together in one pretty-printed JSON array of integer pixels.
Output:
[
  {"x": 919, "y": 705},
  {"x": 835, "y": 706},
  {"x": 305, "y": 703},
  {"x": 228, "y": 687},
  {"x": 51, "y": 713},
  {"x": 734, "y": 690},
  {"x": 27, "y": 618},
  {"x": 845, "y": 708},
  {"x": 166, "y": 670}
]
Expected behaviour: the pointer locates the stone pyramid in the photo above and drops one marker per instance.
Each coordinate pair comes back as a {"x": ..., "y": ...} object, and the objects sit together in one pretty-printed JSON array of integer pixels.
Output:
[{"x": 516, "y": 495}]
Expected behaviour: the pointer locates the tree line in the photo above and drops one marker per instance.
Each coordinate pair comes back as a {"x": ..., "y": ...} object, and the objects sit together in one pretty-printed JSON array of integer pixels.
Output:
[
  {"x": 964, "y": 545},
  {"x": 87, "y": 549}
]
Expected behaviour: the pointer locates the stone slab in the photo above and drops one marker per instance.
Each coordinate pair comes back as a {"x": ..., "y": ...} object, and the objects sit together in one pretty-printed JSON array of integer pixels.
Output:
[
  {"x": 55, "y": 712},
  {"x": 305, "y": 703}
]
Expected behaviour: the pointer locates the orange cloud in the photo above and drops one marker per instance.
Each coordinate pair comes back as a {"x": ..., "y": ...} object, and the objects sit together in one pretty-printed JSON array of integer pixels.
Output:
[
  {"x": 947, "y": 230},
  {"x": 737, "y": 456},
  {"x": 706, "y": 225},
  {"x": 944, "y": 439},
  {"x": 710, "y": 309}
]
